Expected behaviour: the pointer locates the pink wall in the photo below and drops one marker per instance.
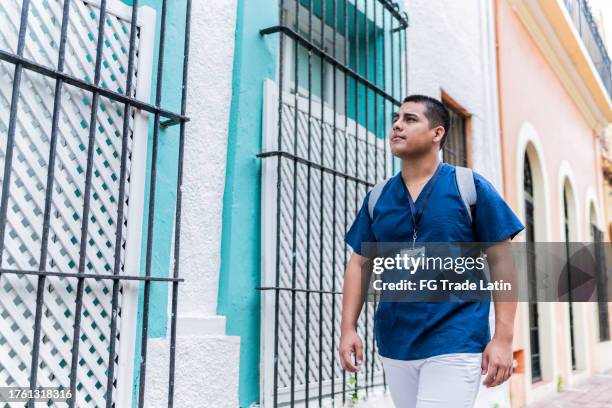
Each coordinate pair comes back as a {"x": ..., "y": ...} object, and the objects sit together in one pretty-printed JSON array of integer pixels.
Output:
[{"x": 532, "y": 92}]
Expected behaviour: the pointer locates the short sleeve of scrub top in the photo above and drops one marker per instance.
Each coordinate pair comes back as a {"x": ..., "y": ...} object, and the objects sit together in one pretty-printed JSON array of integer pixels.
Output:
[
  {"x": 361, "y": 230},
  {"x": 494, "y": 220},
  {"x": 417, "y": 330}
]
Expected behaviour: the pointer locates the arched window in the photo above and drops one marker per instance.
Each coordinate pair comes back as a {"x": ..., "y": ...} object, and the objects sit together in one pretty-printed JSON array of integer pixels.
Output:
[
  {"x": 534, "y": 327},
  {"x": 569, "y": 275},
  {"x": 602, "y": 282}
]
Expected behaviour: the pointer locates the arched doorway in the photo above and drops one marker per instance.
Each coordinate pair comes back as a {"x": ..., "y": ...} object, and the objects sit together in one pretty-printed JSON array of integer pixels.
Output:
[
  {"x": 596, "y": 236},
  {"x": 538, "y": 321},
  {"x": 569, "y": 232},
  {"x": 534, "y": 322}
]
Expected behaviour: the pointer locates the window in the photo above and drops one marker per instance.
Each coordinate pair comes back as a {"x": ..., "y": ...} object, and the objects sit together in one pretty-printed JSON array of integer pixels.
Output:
[
  {"x": 320, "y": 74},
  {"x": 324, "y": 147},
  {"x": 456, "y": 148},
  {"x": 534, "y": 323},
  {"x": 603, "y": 316},
  {"x": 75, "y": 80},
  {"x": 566, "y": 224}
]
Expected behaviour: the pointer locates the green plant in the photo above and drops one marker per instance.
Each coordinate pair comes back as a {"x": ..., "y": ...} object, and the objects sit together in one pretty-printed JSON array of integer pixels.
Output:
[
  {"x": 353, "y": 381},
  {"x": 559, "y": 384}
]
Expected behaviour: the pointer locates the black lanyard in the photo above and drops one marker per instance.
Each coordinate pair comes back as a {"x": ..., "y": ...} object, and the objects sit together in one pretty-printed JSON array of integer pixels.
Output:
[{"x": 415, "y": 213}]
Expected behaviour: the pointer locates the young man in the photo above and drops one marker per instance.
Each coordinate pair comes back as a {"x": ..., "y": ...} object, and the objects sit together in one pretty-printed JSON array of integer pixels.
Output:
[{"x": 433, "y": 354}]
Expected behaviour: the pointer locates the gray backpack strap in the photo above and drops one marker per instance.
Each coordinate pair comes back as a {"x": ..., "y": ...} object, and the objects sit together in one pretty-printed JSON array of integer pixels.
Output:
[
  {"x": 375, "y": 195},
  {"x": 467, "y": 188}
]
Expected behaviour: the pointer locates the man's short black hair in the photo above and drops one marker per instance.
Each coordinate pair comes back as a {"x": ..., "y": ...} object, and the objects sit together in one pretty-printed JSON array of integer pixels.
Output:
[{"x": 436, "y": 113}]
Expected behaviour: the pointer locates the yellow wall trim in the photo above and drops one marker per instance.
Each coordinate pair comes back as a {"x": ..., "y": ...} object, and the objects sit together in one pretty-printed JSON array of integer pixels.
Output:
[{"x": 549, "y": 24}]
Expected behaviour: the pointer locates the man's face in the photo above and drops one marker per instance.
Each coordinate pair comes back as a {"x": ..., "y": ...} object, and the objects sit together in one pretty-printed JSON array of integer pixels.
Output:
[{"x": 410, "y": 133}]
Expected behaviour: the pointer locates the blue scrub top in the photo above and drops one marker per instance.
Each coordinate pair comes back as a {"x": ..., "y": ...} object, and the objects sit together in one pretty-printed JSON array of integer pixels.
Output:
[{"x": 417, "y": 330}]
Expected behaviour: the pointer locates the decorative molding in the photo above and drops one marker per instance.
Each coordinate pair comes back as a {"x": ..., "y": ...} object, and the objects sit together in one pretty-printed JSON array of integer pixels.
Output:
[{"x": 549, "y": 25}]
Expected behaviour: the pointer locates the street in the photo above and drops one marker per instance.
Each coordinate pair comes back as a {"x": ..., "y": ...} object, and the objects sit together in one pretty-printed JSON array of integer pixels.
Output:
[{"x": 596, "y": 392}]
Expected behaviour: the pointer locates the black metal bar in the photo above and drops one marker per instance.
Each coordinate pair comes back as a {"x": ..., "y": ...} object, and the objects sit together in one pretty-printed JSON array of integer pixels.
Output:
[
  {"x": 384, "y": 82},
  {"x": 87, "y": 275},
  {"x": 51, "y": 172},
  {"x": 391, "y": 33},
  {"x": 120, "y": 203},
  {"x": 315, "y": 165},
  {"x": 405, "y": 62},
  {"x": 86, "y": 201},
  {"x": 384, "y": 85},
  {"x": 10, "y": 137},
  {"x": 6, "y": 181},
  {"x": 375, "y": 39},
  {"x": 317, "y": 50},
  {"x": 400, "y": 58},
  {"x": 372, "y": 361},
  {"x": 346, "y": 138},
  {"x": 356, "y": 97},
  {"x": 306, "y": 290},
  {"x": 174, "y": 118},
  {"x": 321, "y": 211},
  {"x": 393, "y": 9},
  {"x": 309, "y": 172},
  {"x": 367, "y": 176},
  {"x": 53, "y": 140},
  {"x": 171, "y": 122},
  {"x": 179, "y": 196},
  {"x": 151, "y": 210},
  {"x": 356, "y": 101},
  {"x": 279, "y": 144},
  {"x": 582, "y": 18},
  {"x": 334, "y": 181},
  {"x": 294, "y": 214}
]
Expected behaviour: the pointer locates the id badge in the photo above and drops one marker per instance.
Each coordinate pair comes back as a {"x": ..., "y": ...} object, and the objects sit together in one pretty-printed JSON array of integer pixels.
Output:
[
  {"x": 414, "y": 256},
  {"x": 413, "y": 252}
]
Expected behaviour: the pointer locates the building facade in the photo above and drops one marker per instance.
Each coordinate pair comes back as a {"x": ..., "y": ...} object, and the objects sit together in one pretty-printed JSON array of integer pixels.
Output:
[
  {"x": 233, "y": 182},
  {"x": 555, "y": 105}
]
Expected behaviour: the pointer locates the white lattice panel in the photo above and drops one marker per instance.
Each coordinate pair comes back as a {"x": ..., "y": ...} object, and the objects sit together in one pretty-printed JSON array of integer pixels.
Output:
[
  {"x": 28, "y": 188},
  {"x": 317, "y": 233}
]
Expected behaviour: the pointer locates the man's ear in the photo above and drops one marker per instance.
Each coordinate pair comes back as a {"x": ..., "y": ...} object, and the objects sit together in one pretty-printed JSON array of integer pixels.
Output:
[{"x": 439, "y": 134}]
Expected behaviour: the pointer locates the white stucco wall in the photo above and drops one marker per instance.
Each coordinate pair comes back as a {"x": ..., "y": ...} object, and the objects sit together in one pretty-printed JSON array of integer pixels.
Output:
[
  {"x": 207, "y": 361},
  {"x": 451, "y": 46},
  {"x": 208, "y": 105}
]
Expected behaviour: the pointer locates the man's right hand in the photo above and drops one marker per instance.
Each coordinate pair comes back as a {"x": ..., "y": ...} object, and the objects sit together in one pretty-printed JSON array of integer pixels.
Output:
[{"x": 350, "y": 343}]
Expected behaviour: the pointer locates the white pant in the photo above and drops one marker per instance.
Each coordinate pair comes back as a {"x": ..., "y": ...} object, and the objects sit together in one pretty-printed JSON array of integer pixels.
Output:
[{"x": 444, "y": 381}]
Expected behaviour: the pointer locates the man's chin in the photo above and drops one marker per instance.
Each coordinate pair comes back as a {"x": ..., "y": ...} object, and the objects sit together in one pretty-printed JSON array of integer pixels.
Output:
[
  {"x": 401, "y": 152},
  {"x": 408, "y": 152}
]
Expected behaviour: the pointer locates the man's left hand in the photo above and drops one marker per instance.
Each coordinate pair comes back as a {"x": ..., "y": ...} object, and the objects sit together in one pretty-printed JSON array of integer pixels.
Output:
[{"x": 497, "y": 362}]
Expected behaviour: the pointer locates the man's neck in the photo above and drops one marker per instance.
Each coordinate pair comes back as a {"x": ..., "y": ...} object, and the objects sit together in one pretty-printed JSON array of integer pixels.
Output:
[{"x": 420, "y": 168}]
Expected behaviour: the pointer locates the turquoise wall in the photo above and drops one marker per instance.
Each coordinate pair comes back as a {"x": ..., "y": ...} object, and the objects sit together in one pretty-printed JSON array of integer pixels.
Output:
[
  {"x": 166, "y": 177},
  {"x": 255, "y": 60}
]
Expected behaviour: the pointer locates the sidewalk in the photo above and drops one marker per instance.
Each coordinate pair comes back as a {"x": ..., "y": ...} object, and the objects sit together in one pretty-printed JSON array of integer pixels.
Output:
[{"x": 596, "y": 392}]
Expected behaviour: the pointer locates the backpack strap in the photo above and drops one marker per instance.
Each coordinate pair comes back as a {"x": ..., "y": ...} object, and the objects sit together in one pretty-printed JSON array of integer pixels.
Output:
[
  {"x": 467, "y": 189},
  {"x": 375, "y": 195},
  {"x": 465, "y": 183}
]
